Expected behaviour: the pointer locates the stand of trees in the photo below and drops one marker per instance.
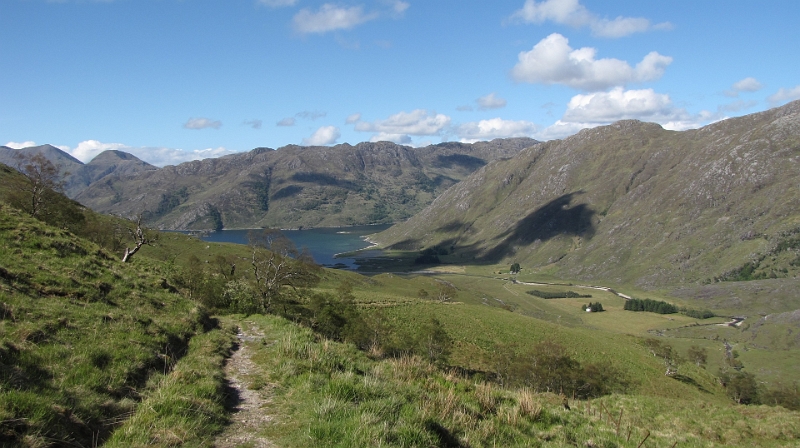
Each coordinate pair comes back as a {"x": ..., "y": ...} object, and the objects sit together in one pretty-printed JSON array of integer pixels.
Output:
[
  {"x": 558, "y": 294},
  {"x": 653, "y": 306}
]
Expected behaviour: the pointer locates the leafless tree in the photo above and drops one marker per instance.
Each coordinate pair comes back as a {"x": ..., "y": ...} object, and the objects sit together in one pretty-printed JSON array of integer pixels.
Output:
[
  {"x": 277, "y": 264},
  {"x": 42, "y": 180},
  {"x": 141, "y": 237}
]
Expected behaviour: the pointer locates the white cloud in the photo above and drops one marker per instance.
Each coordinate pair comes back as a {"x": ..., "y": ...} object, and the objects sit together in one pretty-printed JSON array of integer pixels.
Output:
[
  {"x": 288, "y": 121},
  {"x": 325, "y": 135},
  {"x": 400, "y": 139},
  {"x": 276, "y": 3},
  {"x": 353, "y": 118},
  {"x": 88, "y": 149},
  {"x": 745, "y": 85},
  {"x": 572, "y": 13},
  {"x": 784, "y": 95},
  {"x": 202, "y": 123},
  {"x": 491, "y": 101},
  {"x": 20, "y": 145},
  {"x": 465, "y": 108},
  {"x": 417, "y": 122},
  {"x": 494, "y": 128},
  {"x": 602, "y": 108},
  {"x": 553, "y": 61},
  {"x": 330, "y": 18}
]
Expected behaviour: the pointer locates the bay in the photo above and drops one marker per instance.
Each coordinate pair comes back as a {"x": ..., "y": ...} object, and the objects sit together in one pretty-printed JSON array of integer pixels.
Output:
[{"x": 324, "y": 243}]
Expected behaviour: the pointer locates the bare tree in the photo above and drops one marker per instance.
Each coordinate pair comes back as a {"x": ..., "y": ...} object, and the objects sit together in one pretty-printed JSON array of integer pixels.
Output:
[
  {"x": 277, "y": 264},
  {"x": 141, "y": 237},
  {"x": 446, "y": 291},
  {"x": 42, "y": 179}
]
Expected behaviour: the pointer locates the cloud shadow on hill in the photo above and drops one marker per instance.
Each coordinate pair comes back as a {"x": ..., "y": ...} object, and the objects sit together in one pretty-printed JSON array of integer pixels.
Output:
[{"x": 553, "y": 219}]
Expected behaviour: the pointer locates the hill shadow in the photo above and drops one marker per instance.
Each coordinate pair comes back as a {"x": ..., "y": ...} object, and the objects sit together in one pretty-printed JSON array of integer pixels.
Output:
[
  {"x": 285, "y": 192},
  {"x": 547, "y": 222},
  {"x": 324, "y": 179},
  {"x": 468, "y": 162}
]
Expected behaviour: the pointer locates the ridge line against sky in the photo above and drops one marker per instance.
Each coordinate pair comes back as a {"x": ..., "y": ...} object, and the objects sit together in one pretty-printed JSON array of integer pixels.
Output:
[{"x": 171, "y": 81}]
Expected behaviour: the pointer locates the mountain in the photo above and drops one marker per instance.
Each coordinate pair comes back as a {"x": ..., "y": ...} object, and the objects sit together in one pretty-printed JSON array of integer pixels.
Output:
[
  {"x": 77, "y": 175},
  {"x": 295, "y": 186},
  {"x": 632, "y": 203}
]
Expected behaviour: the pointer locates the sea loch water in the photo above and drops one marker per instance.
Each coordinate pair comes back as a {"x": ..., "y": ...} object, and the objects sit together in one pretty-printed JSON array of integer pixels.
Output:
[{"x": 323, "y": 243}]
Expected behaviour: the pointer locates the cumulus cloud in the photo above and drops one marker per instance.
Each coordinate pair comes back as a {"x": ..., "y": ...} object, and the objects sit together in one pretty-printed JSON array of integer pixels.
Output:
[
  {"x": 288, "y": 121},
  {"x": 202, "y": 123},
  {"x": 353, "y": 118},
  {"x": 494, "y": 128},
  {"x": 416, "y": 122},
  {"x": 784, "y": 95},
  {"x": 325, "y": 135},
  {"x": 20, "y": 145},
  {"x": 330, "y": 17},
  {"x": 601, "y": 108},
  {"x": 572, "y": 13},
  {"x": 400, "y": 139},
  {"x": 88, "y": 149},
  {"x": 491, "y": 101},
  {"x": 276, "y": 3},
  {"x": 745, "y": 85},
  {"x": 255, "y": 124},
  {"x": 553, "y": 61}
]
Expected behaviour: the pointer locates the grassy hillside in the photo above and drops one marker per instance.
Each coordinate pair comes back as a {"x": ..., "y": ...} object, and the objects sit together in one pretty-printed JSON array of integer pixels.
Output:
[
  {"x": 631, "y": 203},
  {"x": 94, "y": 351},
  {"x": 84, "y": 337}
]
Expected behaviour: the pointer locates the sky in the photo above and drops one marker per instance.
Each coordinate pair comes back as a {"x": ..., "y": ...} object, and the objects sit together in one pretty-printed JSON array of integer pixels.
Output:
[{"x": 177, "y": 80}]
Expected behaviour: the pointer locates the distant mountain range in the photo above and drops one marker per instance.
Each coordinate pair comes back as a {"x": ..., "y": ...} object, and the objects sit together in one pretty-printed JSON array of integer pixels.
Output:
[
  {"x": 77, "y": 175},
  {"x": 632, "y": 203},
  {"x": 290, "y": 187}
]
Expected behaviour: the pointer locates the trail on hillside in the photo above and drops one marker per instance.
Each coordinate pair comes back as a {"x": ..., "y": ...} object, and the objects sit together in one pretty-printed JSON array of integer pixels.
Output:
[{"x": 250, "y": 413}]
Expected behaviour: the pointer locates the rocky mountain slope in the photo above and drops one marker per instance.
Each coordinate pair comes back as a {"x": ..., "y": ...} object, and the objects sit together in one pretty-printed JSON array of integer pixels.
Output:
[
  {"x": 632, "y": 203},
  {"x": 295, "y": 186},
  {"x": 77, "y": 175}
]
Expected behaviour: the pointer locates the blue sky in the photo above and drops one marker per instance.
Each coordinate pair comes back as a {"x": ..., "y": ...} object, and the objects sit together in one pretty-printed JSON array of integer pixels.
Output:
[{"x": 174, "y": 80}]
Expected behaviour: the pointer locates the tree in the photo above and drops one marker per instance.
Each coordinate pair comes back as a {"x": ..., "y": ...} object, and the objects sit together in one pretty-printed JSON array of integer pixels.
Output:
[
  {"x": 698, "y": 355},
  {"x": 277, "y": 264},
  {"x": 141, "y": 237},
  {"x": 446, "y": 291},
  {"x": 42, "y": 181},
  {"x": 433, "y": 341},
  {"x": 515, "y": 268},
  {"x": 741, "y": 386}
]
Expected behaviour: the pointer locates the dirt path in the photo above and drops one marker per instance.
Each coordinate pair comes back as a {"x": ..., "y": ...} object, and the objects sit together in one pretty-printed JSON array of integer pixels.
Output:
[{"x": 249, "y": 406}]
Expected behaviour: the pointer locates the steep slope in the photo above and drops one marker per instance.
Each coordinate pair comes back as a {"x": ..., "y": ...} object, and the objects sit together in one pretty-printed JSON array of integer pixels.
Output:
[
  {"x": 631, "y": 202},
  {"x": 296, "y": 186}
]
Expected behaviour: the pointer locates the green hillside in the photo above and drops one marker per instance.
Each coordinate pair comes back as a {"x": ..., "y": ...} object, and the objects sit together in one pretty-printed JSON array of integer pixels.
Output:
[
  {"x": 97, "y": 352},
  {"x": 631, "y": 203}
]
